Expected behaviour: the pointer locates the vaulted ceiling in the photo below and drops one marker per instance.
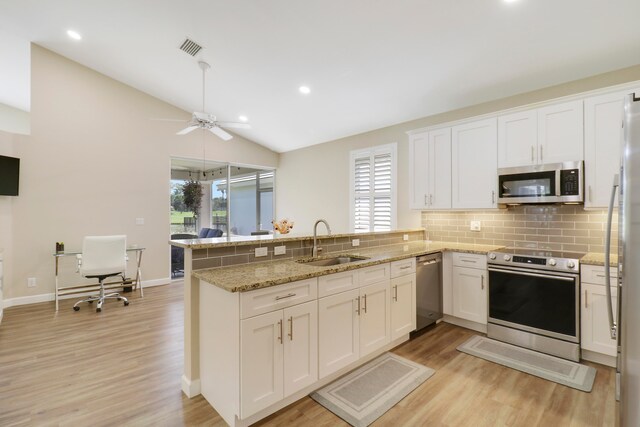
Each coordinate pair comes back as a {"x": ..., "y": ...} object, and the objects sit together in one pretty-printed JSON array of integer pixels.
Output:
[{"x": 368, "y": 63}]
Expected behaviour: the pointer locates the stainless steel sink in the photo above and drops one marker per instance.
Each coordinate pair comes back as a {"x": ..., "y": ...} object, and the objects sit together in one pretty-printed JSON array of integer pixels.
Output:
[{"x": 324, "y": 262}]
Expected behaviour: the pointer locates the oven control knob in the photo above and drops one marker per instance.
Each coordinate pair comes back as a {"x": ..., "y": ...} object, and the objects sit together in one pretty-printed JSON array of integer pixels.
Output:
[
  {"x": 552, "y": 262},
  {"x": 507, "y": 257},
  {"x": 492, "y": 256},
  {"x": 571, "y": 264}
]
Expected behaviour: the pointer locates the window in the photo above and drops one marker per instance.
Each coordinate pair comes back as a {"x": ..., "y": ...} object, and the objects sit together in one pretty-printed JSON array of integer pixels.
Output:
[{"x": 373, "y": 189}]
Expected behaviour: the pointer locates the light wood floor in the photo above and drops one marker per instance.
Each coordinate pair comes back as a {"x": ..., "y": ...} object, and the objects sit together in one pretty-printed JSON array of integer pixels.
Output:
[{"x": 123, "y": 367}]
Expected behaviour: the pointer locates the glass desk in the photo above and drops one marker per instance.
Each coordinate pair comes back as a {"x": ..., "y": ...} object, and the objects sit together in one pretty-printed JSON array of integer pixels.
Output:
[{"x": 83, "y": 289}]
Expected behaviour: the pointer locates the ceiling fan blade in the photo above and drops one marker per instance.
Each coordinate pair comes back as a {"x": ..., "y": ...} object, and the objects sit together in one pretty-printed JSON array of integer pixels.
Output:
[
  {"x": 169, "y": 120},
  {"x": 234, "y": 125},
  {"x": 187, "y": 130},
  {"x": 220, "y": 133}
]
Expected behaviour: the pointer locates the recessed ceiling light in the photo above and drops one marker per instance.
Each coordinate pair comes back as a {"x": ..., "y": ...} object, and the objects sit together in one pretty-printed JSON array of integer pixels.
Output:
[
  {"x": 243, "y": 118},
  {"x": 510, "y": 1},
  {"x": 74, "y": 35},
  {"x": 304, "y": 90}
]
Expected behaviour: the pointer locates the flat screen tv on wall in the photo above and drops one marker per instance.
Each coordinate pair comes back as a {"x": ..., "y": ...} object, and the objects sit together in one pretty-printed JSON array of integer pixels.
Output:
[{"x": 9, "y": 175}]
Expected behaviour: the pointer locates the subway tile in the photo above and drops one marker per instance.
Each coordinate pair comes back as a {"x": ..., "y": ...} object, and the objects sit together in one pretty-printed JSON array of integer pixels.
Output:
[
  {"x": 575, "y": 248},
  {"x": 235, "y": 259},
  {"x": 198, "y": 253},
  {"x": 561, "y": 239},
  {"x": 576, "y": 233},
  {"x": 536, "y": 238},
  {"x": 229, "y": 250},
  {"x": 589, "y": 226},
  {"x": 205, "y": 263}
]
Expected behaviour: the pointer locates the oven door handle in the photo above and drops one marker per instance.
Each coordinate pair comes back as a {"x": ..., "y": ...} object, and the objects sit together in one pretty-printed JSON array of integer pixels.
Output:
[{"x": 526, "y": 273}]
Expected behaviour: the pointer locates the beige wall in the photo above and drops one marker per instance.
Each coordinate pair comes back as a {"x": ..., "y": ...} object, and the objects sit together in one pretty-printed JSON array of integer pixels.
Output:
[
  {"x": 313, "y": 182},
  {"x": 94, "y": 163},
  {"x": 6, "y": 228},
  {"x": 14, "y": 120}
]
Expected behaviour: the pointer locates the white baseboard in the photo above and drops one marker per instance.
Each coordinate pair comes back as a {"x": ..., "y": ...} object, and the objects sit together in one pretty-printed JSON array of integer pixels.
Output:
[
  {"x": 190, "y": 388},
  {"x": 34, "y": 299},
  {"x": 603, "y": 359},
  {"x": 478, "y": 327}
]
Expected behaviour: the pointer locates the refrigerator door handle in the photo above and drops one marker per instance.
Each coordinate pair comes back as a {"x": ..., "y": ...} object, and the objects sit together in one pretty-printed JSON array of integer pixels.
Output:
[{"x": 613, "y": 327}]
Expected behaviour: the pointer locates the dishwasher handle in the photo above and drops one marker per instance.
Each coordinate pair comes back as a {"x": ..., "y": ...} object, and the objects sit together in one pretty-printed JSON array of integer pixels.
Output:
[{"x": 425, "y": 260}]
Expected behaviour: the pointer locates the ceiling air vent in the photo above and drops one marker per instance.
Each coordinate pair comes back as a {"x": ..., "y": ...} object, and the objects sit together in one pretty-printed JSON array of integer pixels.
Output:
[{"x": 191, "y": 47}]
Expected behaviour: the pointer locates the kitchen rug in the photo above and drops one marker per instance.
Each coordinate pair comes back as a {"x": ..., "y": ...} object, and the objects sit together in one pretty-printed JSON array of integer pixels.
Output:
[
  {"x": 541, "y": 365},
  {"x": 362, "y": 396}
]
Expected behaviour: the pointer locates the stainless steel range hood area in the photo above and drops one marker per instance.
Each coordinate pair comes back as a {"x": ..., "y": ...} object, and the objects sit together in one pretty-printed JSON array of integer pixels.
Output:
[{"x": 537, "y": 184}]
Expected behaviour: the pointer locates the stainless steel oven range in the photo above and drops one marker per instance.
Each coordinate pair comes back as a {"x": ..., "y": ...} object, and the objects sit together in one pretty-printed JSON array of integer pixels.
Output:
[{"x": 534, "y": 300}]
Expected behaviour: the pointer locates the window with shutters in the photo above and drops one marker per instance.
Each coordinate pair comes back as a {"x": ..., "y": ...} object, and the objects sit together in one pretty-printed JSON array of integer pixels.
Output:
[{"x": 373, "y": 189}]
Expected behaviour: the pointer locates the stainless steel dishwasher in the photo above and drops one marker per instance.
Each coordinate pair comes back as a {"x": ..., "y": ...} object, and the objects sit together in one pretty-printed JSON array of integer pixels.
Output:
[{"x": 428, "y": 289}]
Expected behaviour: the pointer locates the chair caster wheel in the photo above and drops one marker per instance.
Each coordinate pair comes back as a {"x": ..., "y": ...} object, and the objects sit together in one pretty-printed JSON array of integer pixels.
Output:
[
  {"x": 90, "y": 302},
  {"x": 119, "y": 299},
  {"x": 76, "y": 308},
  {"x": 126, "y": 303},
  {"x": 98, "y": 310}
]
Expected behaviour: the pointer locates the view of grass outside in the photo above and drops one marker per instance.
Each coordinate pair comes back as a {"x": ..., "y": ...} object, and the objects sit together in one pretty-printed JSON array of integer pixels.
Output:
[{"x": 182, "y": 219}]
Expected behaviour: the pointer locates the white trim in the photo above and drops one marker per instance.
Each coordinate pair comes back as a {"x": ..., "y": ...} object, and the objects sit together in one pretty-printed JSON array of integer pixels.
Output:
[
  {"x": 34, "y": 299},
  {"x": 190, "y": 388},
  {"x": 574, "y": 97},
  {"x": 372, "y": 151}
]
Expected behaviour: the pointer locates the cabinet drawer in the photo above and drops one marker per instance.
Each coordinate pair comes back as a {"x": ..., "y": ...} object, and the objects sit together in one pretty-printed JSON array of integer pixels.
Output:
[
  {"x": 335, "y": 283},
  {"x": 595, "y": 274},
  {"x": 374, "y": 274},
  {"x": 277, "y": 297},
  {"x": 469, "y": 260},
  {"x": 403, "y": 267}
]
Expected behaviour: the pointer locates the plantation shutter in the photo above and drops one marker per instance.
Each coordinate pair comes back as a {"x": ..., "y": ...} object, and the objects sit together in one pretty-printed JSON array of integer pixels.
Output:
[{"x": 372, "y": 178}]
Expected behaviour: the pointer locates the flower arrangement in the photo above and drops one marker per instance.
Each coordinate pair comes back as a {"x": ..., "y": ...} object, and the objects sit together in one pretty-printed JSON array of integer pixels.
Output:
[{"x": 283, "y": 226}]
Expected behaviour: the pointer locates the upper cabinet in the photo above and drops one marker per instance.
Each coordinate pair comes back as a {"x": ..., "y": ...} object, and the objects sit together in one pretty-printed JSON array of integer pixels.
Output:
[
  {"x": 602, "y": 142},
  {"x": 545, "y": 135},
  {"x": 474, "y": 164},
  {"x": 431, "y": 169}
]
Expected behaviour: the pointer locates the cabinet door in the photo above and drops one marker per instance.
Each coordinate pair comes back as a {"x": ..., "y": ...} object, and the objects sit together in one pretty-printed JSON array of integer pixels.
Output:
[
  {"x": 560, "y": 133},
  {"x": 474, "y": 165},
  {"x": 470, "y": 294},
  {"x": 403, "y": 305},
  {"x": 338, "y": 327},
  {"x": 261, "y": 362},
  {"x": 518, "y": 139},
  {"x": 602, "y": 142},
  {"x": 300, "y": 347},
  {"x": 440, "y": 169},
  {"x": 595, "y": 319},
  {"x": 447, "y": 283},
  {"x": 375, "y": 317},
  {"x": 419, "y": 158}
]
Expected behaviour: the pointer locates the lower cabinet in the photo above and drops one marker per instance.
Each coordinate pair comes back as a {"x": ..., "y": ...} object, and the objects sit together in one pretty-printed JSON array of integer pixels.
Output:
[
  {"x": 403, "y": 305},
  {"x": 278, "y": 355},
  {"x": 594, "y": 320},
  {"x": 353, "y": 324},
  {"x": 470, "y": 294}
]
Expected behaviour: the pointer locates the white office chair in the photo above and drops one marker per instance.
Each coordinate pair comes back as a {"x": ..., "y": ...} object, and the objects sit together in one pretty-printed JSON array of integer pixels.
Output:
[{"x": 102, "y": 257}]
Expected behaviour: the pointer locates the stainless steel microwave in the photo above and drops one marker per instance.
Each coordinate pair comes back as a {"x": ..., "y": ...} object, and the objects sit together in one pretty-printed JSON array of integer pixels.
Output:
[{"x": 550, "y": 183}]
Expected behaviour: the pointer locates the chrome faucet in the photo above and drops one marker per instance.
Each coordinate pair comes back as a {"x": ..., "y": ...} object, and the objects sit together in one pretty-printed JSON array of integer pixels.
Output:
[{"x": 314, "y": 251}]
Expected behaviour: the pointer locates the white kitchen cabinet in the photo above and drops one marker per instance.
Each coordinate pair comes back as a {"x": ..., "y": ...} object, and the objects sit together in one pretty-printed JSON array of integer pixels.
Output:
[
  {"x": 403, "y": 305},
  {"x": 431, "y": 169},
  {"x": 375, "y": 317},
  {"x": 518, "y": 139},
  {"x": 594, "y": 319},
  {"x": 560, "y": 133},
  {"x": 261, "y": 365},
  {"x": 338, "y": 331},
  {"x": 474, "y": 165},
  {"x": 469, "y": 286},
  {"x": 279, "y": 355},
  {"x": 602, "y": 143},
  {"x": 447, "y": 283}
]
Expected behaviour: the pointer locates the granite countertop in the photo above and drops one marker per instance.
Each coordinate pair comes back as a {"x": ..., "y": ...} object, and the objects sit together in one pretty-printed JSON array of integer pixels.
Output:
[
  {"x": 221, "y": 242},
  {"x": 246, "y": 277},
  {"x": 595, "y": 258}
]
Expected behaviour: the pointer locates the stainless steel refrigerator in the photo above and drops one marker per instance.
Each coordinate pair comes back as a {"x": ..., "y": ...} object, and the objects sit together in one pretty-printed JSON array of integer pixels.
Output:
[{"x": 626, "y": 327}]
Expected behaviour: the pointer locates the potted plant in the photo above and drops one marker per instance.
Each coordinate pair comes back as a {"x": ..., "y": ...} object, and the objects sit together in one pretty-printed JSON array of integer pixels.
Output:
[{"x": 192, "y": 194}]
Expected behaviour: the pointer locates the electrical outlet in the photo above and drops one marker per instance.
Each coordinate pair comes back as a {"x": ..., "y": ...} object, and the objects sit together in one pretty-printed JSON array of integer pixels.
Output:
[
  {"x": 355, "y": 242},
  {"x": 475, "y": 226},
  {"x": 139, "y": 221},
  {"x": 261, "y": 252},
  {"x": 31, "y": 282},
  {"x": 405, "y": 237},
  {"x": 280, "y": 250}
]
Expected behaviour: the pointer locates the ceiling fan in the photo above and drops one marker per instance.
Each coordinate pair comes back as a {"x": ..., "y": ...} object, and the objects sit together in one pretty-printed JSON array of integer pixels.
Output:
[{"x": 202, "y": 120}]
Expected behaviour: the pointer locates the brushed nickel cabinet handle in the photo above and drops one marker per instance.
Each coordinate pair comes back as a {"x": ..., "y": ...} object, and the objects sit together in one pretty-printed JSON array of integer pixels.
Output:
[
  {"x": 285, "y": 296},
  {"x": 280, "y": 326},
  {"x": 405, "y": 267},
  {"x": 358, "y": 309},
  {"x": 426, "y": 202},
  {"x": 482, "y": 282},
  {"x": 430, "y": 199},
  {"x": 532, "y": 149},
  {"x": 364, "y": 305},
  {"x": 493, "y": 197},
  {"x": 291, "y": 328},
  {"x": 586, "y": 304},
  {"x": 541, "y": 153},
  {"x": 590, "y": 198}
]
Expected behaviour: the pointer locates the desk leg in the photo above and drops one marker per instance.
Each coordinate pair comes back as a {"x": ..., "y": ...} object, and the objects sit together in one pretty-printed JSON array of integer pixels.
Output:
[
  {"x": 57, "y": 282},
  {"x": 139, "y": 275}
]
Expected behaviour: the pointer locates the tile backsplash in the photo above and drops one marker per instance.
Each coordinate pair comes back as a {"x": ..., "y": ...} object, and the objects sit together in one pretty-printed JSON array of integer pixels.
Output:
[{"x": 555, "y": 227}]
